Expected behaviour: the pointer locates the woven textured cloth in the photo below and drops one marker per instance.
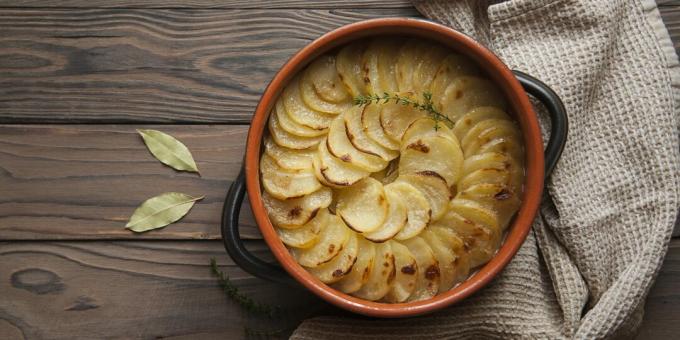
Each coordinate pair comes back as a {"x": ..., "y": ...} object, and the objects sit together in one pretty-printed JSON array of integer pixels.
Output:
[{"x": 600, "y": 238}]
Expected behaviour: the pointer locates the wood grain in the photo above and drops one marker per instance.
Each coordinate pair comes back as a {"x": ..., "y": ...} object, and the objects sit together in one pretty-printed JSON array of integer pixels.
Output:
[
  {"x": 229, "y": 4},
  {"x": 84, "y": 181},
  {"x": 138, "y": 289},
  {"x": 151, "y": 66}
]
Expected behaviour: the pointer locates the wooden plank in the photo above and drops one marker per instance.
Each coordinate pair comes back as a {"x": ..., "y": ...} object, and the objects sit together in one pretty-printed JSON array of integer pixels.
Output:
[
  {"x": 137, "y": 289},
  {"x": 161, "y": 66},
  {"x": 230, "y": 4},
  {"x": 84, "y": 181}
]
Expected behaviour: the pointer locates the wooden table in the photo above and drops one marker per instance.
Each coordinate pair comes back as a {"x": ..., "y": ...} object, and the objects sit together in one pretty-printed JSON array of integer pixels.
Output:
[{"x": 76, "y": 79}]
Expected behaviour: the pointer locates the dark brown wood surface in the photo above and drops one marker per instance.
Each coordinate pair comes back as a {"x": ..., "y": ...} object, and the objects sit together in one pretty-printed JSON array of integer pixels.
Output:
[{"x": 76, "y": 79}]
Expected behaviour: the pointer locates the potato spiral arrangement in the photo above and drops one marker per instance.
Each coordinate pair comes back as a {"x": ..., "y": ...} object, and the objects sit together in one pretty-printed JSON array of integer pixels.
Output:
[{"x": 373, "y": 199}]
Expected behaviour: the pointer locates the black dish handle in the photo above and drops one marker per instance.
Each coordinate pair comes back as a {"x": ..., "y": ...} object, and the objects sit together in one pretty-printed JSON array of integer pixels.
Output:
[{"x": 272, "y": 272}]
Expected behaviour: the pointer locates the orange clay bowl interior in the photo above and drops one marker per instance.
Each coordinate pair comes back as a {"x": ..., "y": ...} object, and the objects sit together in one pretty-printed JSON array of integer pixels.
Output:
[{"x": 519, "y": 107}]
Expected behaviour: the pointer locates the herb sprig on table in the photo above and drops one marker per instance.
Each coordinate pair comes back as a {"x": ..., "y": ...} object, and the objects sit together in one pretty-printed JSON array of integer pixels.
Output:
[
  {"x": 426, "y": 105},
  {"x": 243, "y": 300}
]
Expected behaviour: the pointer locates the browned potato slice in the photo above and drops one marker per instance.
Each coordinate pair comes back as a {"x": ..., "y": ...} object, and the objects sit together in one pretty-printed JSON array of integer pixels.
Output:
[
  {"x": 370, "y": 119},
  {"x": 396, "y": 218},
  {"x": 433, "y": 187},
  {"x": 286, "y": 139},
  {"x": 291, "y": 126},
  {"x": 335, "y": 269},
  {"x": 445, "y": 258},
  {"x": 286, "y": 158},
  {"x": 477, "y": 226},
  {"x": 462, "y": 262},
  {"x": 356, "y": 133},
  {"x": 496, "y": 197},
  {"x": 321, "y": 87},
  {"x": 378, "y": 63},
  {"x": 418, "y": 210},
  {"x": 360, "y": 271},
  {"x": 476, "y": 115},
  {"x": 409, "y": 57},
  {"x": 482, "y": 176},
  {"x": 334, "y": 172},
  {"x": 381, "y": 275},
  {"x": 427, "y": 277},
  {"x": 466, "y": 93},
  {"x": 405, "y": 279},
  {"x": 510, "y": 146},
  {"x": 433, "y": 153},
  {"x": 426, "y": 70},
  {"x": 294, "y": 212},
  {"x": 363, "y": 206},
  {"x": 486, "y": 131},
  {"x": 283, "y": 184},
  {"x": 300, "y": 112},
  {"x": 332, "y": 239},
  {"x": 452, "y": 67},
  {"x": 306, "y": 235},
  {"x": 339, "y": 146},
  {"x": 424, "y": 127},
  {"x": 396, "y": 118},
  {"x": 348, "y": 64}
]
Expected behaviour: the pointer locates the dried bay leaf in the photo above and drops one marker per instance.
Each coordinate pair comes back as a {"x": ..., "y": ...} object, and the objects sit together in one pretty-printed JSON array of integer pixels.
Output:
[
  {"x": 159, "y": 211},
  {"x": 169, "y": 150}
]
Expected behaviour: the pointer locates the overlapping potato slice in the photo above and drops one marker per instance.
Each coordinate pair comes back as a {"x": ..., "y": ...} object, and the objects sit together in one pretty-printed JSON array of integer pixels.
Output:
[
  {"x": 306, "y": 235},
  {"x": 508, "y": 145},
  {"x": 369, "y": 68},
  {"x": 370, "y": 119},
  {"x": 301, "y": 113},
  {"x": 396, "y": 219},
  {"x": 488, "y": 130},
  {"x": 378, "y": 65},
  {"x": 498, "y": 198},
  {"x": 427, "y": 68},
  {"x": 363, "y": 206},
  {"x": 291, "y": 126},
  {"x": 461, "y": 265},
  {"x": 445, "y": 258},
  {"x": 321, "y": 88},
  {"x": 424, "y": 127},
  {"x": 474, "y": 116},
  {"x": 481, "y": 176},
  {"x": 282, "y": 183},
  {"x": 418, "y": 209},
  {"x": 452, "y": 67},
  {"x": 289, "y": 140},
  {"x": 286, "y": 158},
  {"x": 294, "y": 212},
  {"x": 433, "y": 187},
  {"x": 477, "y": 226},
  {"x": 497, "y": 160},
  {"x": 406, "y": 269},
  {"x": 332, "y": 239},
  {"x": 466, "y": 93},
  {"x": 339, "y": 146},
  {"x": 335, "y": 269},
  {"x": 361, "y": 270},
  {"x": 427, "y": 277},
  {"x": 334, "y": 172},
  {"x": 409, "y": 57},
  {"x": 395, "y": 118},
  {"x": 348, "y": 65},
  {"x": 381, "y": 275},
  {"x": 432, "y": 153},
  {"x": 356, "y": 133}
]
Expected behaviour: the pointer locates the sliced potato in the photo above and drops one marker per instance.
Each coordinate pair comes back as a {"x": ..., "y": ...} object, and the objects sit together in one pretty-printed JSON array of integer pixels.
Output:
[
  {"x": 396, "y": 118},
  {"x": 451, "y": 239},
  {"x": 339, "y": 146},
  {"x": 348, "y": 65},
  {"x": 396, "y": 219},
  {"x": 476, "y": 115},
  {"x": 295, "y": 212},
  {"x": 291, "y": 126},
  {"x": 378, "y": 63},
  {"x": 306, "y": 235},
  {"x": 322, "y": 78},
  {"x": 409, "y": 57},
  {"x": 427, "y": 68},
  {"x": 488, "y": 130},
  {"x": 369, "y": 68},
  {"x": 332, "y": 239},
  {"x": 356, "y": 133},
  {"x": 445, "y": 258},
  {"x": 405, "y": 279},
  {"x": 286, "y": 158},
  {"x": 510, "y": 146},
  {"x": 477, "y": 226},
  {"x": 498, "y": 198},
  {"x": 381, "y": 275},
  {"x": 360, "y": 271},
  {"x": 286, "y": 139},
  {"x": 282, "y": 183},
  {"x": 483, "y": 176},
  {"x": 427, "y": 277},
  {"x": 452, "y": 67},
  {"x": 363, "y": 206},
  {"x": 433, "y": 187},
  {"x": 370, "y": 119},
  {"x": 334, "y": 172},
  {"x": 335, "y": 269},
  {"x": 433, "y": 153},
  {"x": 497, "y": 160},
  {"x": 301, "y": 113},
  {"x": 418, "y": 210},
  {"x": 466, "y": 93},
  {"x": 424, "y": 127}
]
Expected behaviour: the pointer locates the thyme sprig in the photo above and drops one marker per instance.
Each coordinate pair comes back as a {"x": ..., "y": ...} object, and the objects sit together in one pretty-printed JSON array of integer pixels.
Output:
[
  {"x": 427, "y": 105},
  {"x": 243, "y": 300}
]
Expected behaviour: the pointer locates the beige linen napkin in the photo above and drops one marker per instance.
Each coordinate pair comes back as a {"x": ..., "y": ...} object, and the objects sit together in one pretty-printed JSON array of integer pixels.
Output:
[{"x": 597, "y": 245}]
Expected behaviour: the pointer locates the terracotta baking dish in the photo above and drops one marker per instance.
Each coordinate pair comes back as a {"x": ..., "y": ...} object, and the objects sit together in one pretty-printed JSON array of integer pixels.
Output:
[{"x": 515, "y": 86}]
